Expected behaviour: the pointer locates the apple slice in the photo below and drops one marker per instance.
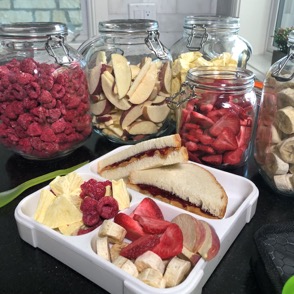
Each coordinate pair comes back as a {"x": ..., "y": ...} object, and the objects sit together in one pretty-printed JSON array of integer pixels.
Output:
[
  {"x": 211, "y": 244},
  {"x": 101, "y": 107},
  {"x": 130, "y": 115},
  {"x": 135, "y": 69},
  {"x": 156, "y": 113},
  {"x": 94, "y": 80},
  {"x": 193, "y": 230},
  {"x": 146, "y": 86},
  {"x": 189, "y": 255},
  {"x": 158, "y": 99},
  {"x": 142, "y": 128},
  {"x": 107, "y": 82},
  {"x": 165, "y": 77}
]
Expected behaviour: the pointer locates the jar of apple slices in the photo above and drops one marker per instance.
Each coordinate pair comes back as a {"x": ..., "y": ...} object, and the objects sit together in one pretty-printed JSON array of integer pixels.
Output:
[
  {"x": 129, "y": 77},
  {"x": 216, "y": 111},
  {"x": 274, "y": 142}
]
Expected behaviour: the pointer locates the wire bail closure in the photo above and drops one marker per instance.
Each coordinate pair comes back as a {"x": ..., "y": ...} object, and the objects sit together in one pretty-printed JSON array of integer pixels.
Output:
[
  {"x": 153, "y": 43},
  {"x": 66, "y": 59},
  {"x": 281, "y": 65},
  {"x": 194, "y": 36}
]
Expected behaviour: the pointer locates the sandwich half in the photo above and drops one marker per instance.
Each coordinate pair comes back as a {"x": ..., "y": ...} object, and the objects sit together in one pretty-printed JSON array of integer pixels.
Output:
[
  {"x": 152, "y": 153},
  {"x": 185, "y": 185}
]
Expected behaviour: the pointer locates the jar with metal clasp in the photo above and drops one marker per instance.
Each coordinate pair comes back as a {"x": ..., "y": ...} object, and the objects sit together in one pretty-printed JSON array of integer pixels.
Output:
[
  {"x": 274, "y": 142},
  {"x": 216, "y": 112},
  {"x": 208, "y": 41},
  {"x": 129, "y": 76},
  {"x": 44, "y": 98}
]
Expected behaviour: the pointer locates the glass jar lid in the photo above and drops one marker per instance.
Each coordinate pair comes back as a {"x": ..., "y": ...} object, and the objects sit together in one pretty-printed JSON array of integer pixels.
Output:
[
  {"x": 212, "y": 22},
  {"x": 128, "y": 26},
  {"x": 35, "y": 30}
]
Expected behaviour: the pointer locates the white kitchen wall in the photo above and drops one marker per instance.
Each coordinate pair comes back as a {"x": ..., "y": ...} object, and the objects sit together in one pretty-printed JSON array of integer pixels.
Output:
[{"x": 169, "y": 13}]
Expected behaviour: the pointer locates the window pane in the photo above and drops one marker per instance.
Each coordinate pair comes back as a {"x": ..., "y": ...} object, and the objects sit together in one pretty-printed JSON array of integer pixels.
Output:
[{"x": 285, "y": 14}]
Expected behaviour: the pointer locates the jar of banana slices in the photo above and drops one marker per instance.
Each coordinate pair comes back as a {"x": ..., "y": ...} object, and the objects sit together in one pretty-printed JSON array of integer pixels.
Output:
[{"x": 274, "y": 142}]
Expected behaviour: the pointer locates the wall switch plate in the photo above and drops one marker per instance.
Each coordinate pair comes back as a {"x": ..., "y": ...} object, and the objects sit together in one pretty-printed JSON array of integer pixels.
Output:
[{"x": 142, "y": 10}]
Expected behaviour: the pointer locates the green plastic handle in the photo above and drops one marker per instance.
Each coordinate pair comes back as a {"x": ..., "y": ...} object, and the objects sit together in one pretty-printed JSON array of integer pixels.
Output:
[{"x": 289, "y": 286}]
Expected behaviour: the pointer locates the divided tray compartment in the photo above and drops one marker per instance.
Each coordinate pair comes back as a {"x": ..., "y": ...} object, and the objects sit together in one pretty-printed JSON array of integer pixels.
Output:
[
  {"x": 273, "y": 258},
  {"x": 77, "y": 251}
]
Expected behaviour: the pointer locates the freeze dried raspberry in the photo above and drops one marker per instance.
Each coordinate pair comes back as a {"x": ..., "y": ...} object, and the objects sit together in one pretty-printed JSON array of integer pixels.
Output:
[
  {"x": 107, "y": 207},
  {"x": 33, "y": 90},
  {"x": 71, "y": 115},
  {"x": 25, "y": 145},
  {"x": 84, "y": 230},
  {"x": 20, "y": 132},
  {"x": 84, "y": 107},
  {"x": 45, "y": 97},
  {"x": 5, "y": 83},
  {"x": 9, "y": 112},
  {"x": 14, "y": 63},
  {"x": 61, "y": 138},
  {"x": 40, "y": 113},
  {"x": 74, "y": 102},
  {"x": 92, "y": 188},
  {"x": 28, "y": 103},
  {"x": 36, "y": 143},
  {"x": 50, "y": 105},
  {"x": 28, "y": 65},
  {"x": 46, "y": 82},
  {"x": 62, "y": 78},
  {"x": 24, "y": 78},
  {"x": 49, "y": 148},
  {"x": 91, "y": 219},
  {"x": 57, "y": 91},
  {"x": 68, "y": 128},
  {"x": 3, "y": 71},
  {"x": 34, "y": 129},
  {"x": 53, "y": 115},
  {"x": 48, "y": 135},
  {"x": 88, "y": 204},
  {"x": 25, "y": 119},
  {"x": 75, "y": 137},
  {"x": 16, "y": 91}
]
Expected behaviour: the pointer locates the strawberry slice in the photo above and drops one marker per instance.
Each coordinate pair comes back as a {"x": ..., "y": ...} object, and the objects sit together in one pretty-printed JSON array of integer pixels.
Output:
[
  {"x": 148, "y": 207},
  {"x": 214, "y": 159},
  {"x": 200, "y": 119},
  {"x": 244, "y": 136},
  {"x": 140, "y": 246},
  {"x": 229, "y": 120},
  {"x": 233, "y": 157},
  {"x": 216, "y": 114},
  {"x": 134, "y": 229},
  {"x": 171, "y": 242},
  {"x": 152, "y": 225},
  {"x": 225, "y": 141}
]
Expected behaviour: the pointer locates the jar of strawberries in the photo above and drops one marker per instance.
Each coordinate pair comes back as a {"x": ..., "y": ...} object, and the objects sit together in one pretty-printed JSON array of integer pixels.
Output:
[
  {"x": 44, "y": 98},
  {"x": 274, "y": 142},
  {"x": 216, "y": 110}
]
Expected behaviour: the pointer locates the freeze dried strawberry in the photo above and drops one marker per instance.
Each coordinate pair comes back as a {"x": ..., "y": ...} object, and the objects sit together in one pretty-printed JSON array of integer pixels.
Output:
[
  {"x": 244, "y": 136},
  {"x": 214, "y": 159},
  {"x": 140, "y": 246},
  {"x": 152, "y": 225},
  {"x": 205, "y": 139},
  {"x": 216, "y": 114},
  {"x": 191, "y": 146},
  {"x": 229, "y": 120},
  {"x": 84, "y": 229},
  {"x": 233, "y": 157},
  {"x": 206, "y": 149},
  {"x": 200, "y": 119},
  {"x": 171, "y": 242},
  {"x": 225, "y": 141},
  {"x": 107, "y": 207},
  {"x": 133, "y": 228},
  {"x": 148, "y": 207},
  {"x": 92, "y": 188}
]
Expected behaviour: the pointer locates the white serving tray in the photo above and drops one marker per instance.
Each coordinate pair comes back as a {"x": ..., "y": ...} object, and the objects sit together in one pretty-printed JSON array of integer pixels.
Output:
[{"x": 77, "y": 251}]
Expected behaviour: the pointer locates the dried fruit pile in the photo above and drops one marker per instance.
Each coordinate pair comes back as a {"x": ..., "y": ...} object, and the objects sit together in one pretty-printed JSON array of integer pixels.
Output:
[
  {"x": 216, "y": 128},
  {"x": 44, "y": 108}
]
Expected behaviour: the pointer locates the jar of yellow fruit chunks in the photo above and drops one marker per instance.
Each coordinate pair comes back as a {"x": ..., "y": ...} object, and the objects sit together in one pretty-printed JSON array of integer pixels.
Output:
[
  {"x": 129, "y": 77},
  {"x": 208, "y": 41}
]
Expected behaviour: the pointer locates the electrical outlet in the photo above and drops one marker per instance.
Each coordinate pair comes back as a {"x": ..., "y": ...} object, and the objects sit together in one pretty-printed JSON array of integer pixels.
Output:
[{"x": 142, "y": 10}]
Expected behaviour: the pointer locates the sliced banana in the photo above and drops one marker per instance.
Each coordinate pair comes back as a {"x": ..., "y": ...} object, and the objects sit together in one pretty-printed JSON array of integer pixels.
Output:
[
  {"x": 285, "y": 119},
  {"x": 152, "y": 277},
  {"x": 126, "y": 265},
  {"x": 284, "y": 182},
  {"x": 286, "y": 97},
  {"x": 286, "y": 150},
  {"x": 102, "y": 247},
  {"x": 177, "y": 269},
  {"x": 276, "y": 137},
  {"x": 113, "y": 231},
  {"x": 149, "y": 259},
  {"x": 116, "y": 248},
  {"x": 274, "y": 165}
]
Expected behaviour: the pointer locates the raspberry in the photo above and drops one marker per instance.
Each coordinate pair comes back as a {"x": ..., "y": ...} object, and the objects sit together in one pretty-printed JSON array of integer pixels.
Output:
[
  {"x": 74, "y": 102},
  {"x": 9, "y": 112},
  {"x": 50, "y": 105},
  {"x": 85, "y": 229},
  {"x": 28, "y": 65},
  {"x": 57, "y": 91},
  {"x": 28, "y": 103},
  {"x": 58, "y": 126},
  {"x": 45, "y": 97},
  {"x": 34, "y": 129},
  {"x": 24, "y": 120},
  {"x": 17, "y": 91},
  {"x": 33, "y": 90},
  {"x": 24, "y": 78},
  {"x": 107, "y": 207},
  {"x": 91, "y": 219},
  {"x": 40, "y": 113},
  {"x": 53, "y": 115},
  {"x": 48, "y": 135},
  {"x": 36, "y": 143},
  {"x": 92, "y": 188},
  {"x": 46, "y": 82},
  {"x": 62, "y": 78}
]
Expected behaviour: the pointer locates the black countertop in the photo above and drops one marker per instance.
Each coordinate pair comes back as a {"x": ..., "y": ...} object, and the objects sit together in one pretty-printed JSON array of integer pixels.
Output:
[{"x": 24, "y": 269}]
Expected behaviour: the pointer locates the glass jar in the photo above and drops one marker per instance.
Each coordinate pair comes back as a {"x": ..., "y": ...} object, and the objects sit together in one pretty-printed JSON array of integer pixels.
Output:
[
  {"x": 274, "y": 142},
  {"x": 129, "y": 76},
  {"x": 216, "y": 110},
  {"x": 45, "y": 106},
  {"x": 208, "y": 41}
]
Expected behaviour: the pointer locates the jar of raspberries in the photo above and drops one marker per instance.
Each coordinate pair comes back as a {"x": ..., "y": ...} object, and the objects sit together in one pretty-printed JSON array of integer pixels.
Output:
[
  {"x": 274, "y": 142},
  {"x": 44, "y": 97},
  {"x": 129, "y": 75},
  {"x": 216, "y": 111}
]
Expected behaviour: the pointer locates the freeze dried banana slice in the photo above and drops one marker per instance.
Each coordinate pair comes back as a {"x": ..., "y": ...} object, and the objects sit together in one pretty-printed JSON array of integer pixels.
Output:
[
  {"x": 285, "y": 119},
  {"x": 286, "y": 150},
  {"x": 284, "y": 182}
]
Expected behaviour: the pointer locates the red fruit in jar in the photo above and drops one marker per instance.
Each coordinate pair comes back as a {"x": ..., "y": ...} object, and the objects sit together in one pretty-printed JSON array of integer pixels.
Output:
[
  {"x": 152, "y": 225},
  {"x": 225, "y": 141},
  {"x": 229, "y": 120},
  {"x": 148, "y": 207},
  {"x": 191, "y": 146},
  {"x": 233, "y": 157},
  {"x": 171, "y": 242},
  {"x": 133, "y": 228},
  {"x": 215, "y": 159},
  {"x": 200, "y": 119},
  {"x": 140, "y": 246},
  {"x": 244, "y": 136}
]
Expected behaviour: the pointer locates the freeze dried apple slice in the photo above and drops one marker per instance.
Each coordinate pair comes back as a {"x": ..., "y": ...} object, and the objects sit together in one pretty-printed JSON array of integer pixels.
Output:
[
  {"x": 123, "y": 74},
  {"x": 107, "y": 81},
  {"x": 165, "y": 77},
  {"x": 101, "y": 106},
  {"x": 156, "y": 113},
  {"x": 142, "y": 128},
  {"x": 130, "y": 115}
]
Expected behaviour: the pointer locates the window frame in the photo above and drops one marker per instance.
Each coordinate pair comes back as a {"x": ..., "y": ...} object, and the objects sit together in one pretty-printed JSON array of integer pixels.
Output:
[{"x": 272, "y": 25}]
